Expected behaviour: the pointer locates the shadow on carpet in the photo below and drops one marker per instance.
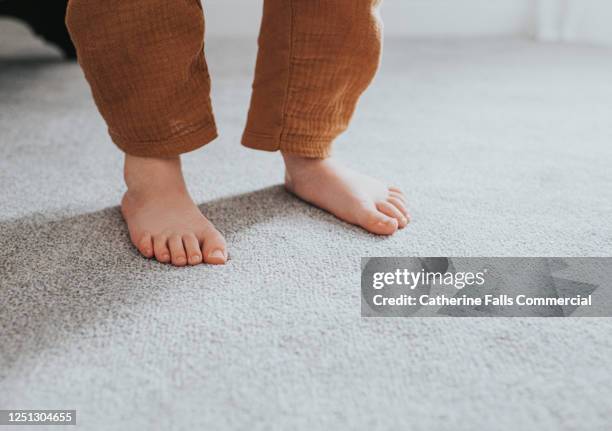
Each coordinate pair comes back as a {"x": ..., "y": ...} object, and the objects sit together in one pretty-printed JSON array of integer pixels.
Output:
[{"x": 60, "y": 275}]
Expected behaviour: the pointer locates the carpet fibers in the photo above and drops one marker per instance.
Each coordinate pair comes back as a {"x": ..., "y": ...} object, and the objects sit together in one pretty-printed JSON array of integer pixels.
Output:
[{"x": 503, "y": 149}]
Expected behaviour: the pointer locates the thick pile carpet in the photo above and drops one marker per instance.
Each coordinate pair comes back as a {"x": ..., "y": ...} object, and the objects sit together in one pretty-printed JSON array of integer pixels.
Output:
[{"x": 504, "y": 149}]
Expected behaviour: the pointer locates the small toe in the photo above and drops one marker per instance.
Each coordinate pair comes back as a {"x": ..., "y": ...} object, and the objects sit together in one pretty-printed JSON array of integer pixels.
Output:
[
  {"x": 378, "y": 223},
  {"x": 160, "y": 248},
  {"x": 400, "y": 205},
  {"x": 392, "y": 211},
  {"x": 399, "y": 196},
  {"x": 192, "y": 247},
  {"x": 145, "y": 245},
  {"x": 214, "y": 249},
  {"x": 177, "y": 251},
  {"x": 396, "y": 190}
]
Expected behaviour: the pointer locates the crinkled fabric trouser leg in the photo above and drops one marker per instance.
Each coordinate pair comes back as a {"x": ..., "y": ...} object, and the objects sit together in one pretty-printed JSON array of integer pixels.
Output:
[{"x": 144, "y": 61}]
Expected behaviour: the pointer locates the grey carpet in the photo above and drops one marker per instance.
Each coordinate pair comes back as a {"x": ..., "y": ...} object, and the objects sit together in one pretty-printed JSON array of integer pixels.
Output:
[{"x": 503, "y": 147}]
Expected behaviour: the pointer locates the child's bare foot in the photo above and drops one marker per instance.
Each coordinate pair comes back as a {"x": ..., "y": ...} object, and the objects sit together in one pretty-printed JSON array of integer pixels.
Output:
[
  {"x": 349, "y": 195},
  {"x": 163, "y": 220}
]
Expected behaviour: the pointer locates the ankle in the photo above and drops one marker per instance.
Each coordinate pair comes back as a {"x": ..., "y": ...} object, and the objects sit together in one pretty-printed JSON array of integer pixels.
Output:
[
  {"x": 142, "y": 174},
  {"x": 295, "y": 163}
]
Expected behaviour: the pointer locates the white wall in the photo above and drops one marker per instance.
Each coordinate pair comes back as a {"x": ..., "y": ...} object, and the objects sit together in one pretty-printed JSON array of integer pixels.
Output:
[
  {"x": 549, "y": 20},
  {"x": 575, "y": 21},
  {"x": 457, "y": 17},
  {"x": 402, "y": 17}
]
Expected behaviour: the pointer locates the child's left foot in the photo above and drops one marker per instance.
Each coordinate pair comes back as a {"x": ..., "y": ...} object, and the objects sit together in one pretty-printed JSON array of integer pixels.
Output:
[{"x": 349, "y": 195}]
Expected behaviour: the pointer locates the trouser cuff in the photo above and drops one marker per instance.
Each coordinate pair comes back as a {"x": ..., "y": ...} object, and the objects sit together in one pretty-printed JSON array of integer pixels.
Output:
[
  {"x": 171, "y": 147},
  {"x": 305, "y": 146}
]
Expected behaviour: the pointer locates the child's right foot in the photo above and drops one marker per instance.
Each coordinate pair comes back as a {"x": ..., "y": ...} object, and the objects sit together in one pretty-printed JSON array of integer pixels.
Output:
[{"x": 162, "y": 219}]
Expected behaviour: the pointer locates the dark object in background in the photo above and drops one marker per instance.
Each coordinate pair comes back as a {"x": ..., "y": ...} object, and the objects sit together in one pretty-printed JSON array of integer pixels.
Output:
[{"x": 45, "y": 17}]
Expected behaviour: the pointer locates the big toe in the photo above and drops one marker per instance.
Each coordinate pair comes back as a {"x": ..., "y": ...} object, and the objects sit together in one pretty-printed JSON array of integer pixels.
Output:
[
  {"x": 214, "y": 249},
  {"x": 393, "y": 211},
  {"x": 378, "y": 223},
  {"x": 145, "y": 245},
  {"x": 160, "y": 248}
]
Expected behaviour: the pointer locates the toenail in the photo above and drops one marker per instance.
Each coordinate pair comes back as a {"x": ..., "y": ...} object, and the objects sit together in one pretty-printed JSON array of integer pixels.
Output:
[
  {"x": 217, "y": 254},
  {"x": 195, "y": 257}
]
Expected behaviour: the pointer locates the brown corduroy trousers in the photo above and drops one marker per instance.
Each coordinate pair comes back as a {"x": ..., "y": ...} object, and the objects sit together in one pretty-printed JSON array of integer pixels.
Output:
[{"x": 144, "y": 61}]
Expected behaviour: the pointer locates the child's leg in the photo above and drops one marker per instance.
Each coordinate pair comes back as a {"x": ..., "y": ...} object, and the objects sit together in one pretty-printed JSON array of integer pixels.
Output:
[
  {"x": 144, "y": 61},
  {"x": 316, "y": 58}
]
